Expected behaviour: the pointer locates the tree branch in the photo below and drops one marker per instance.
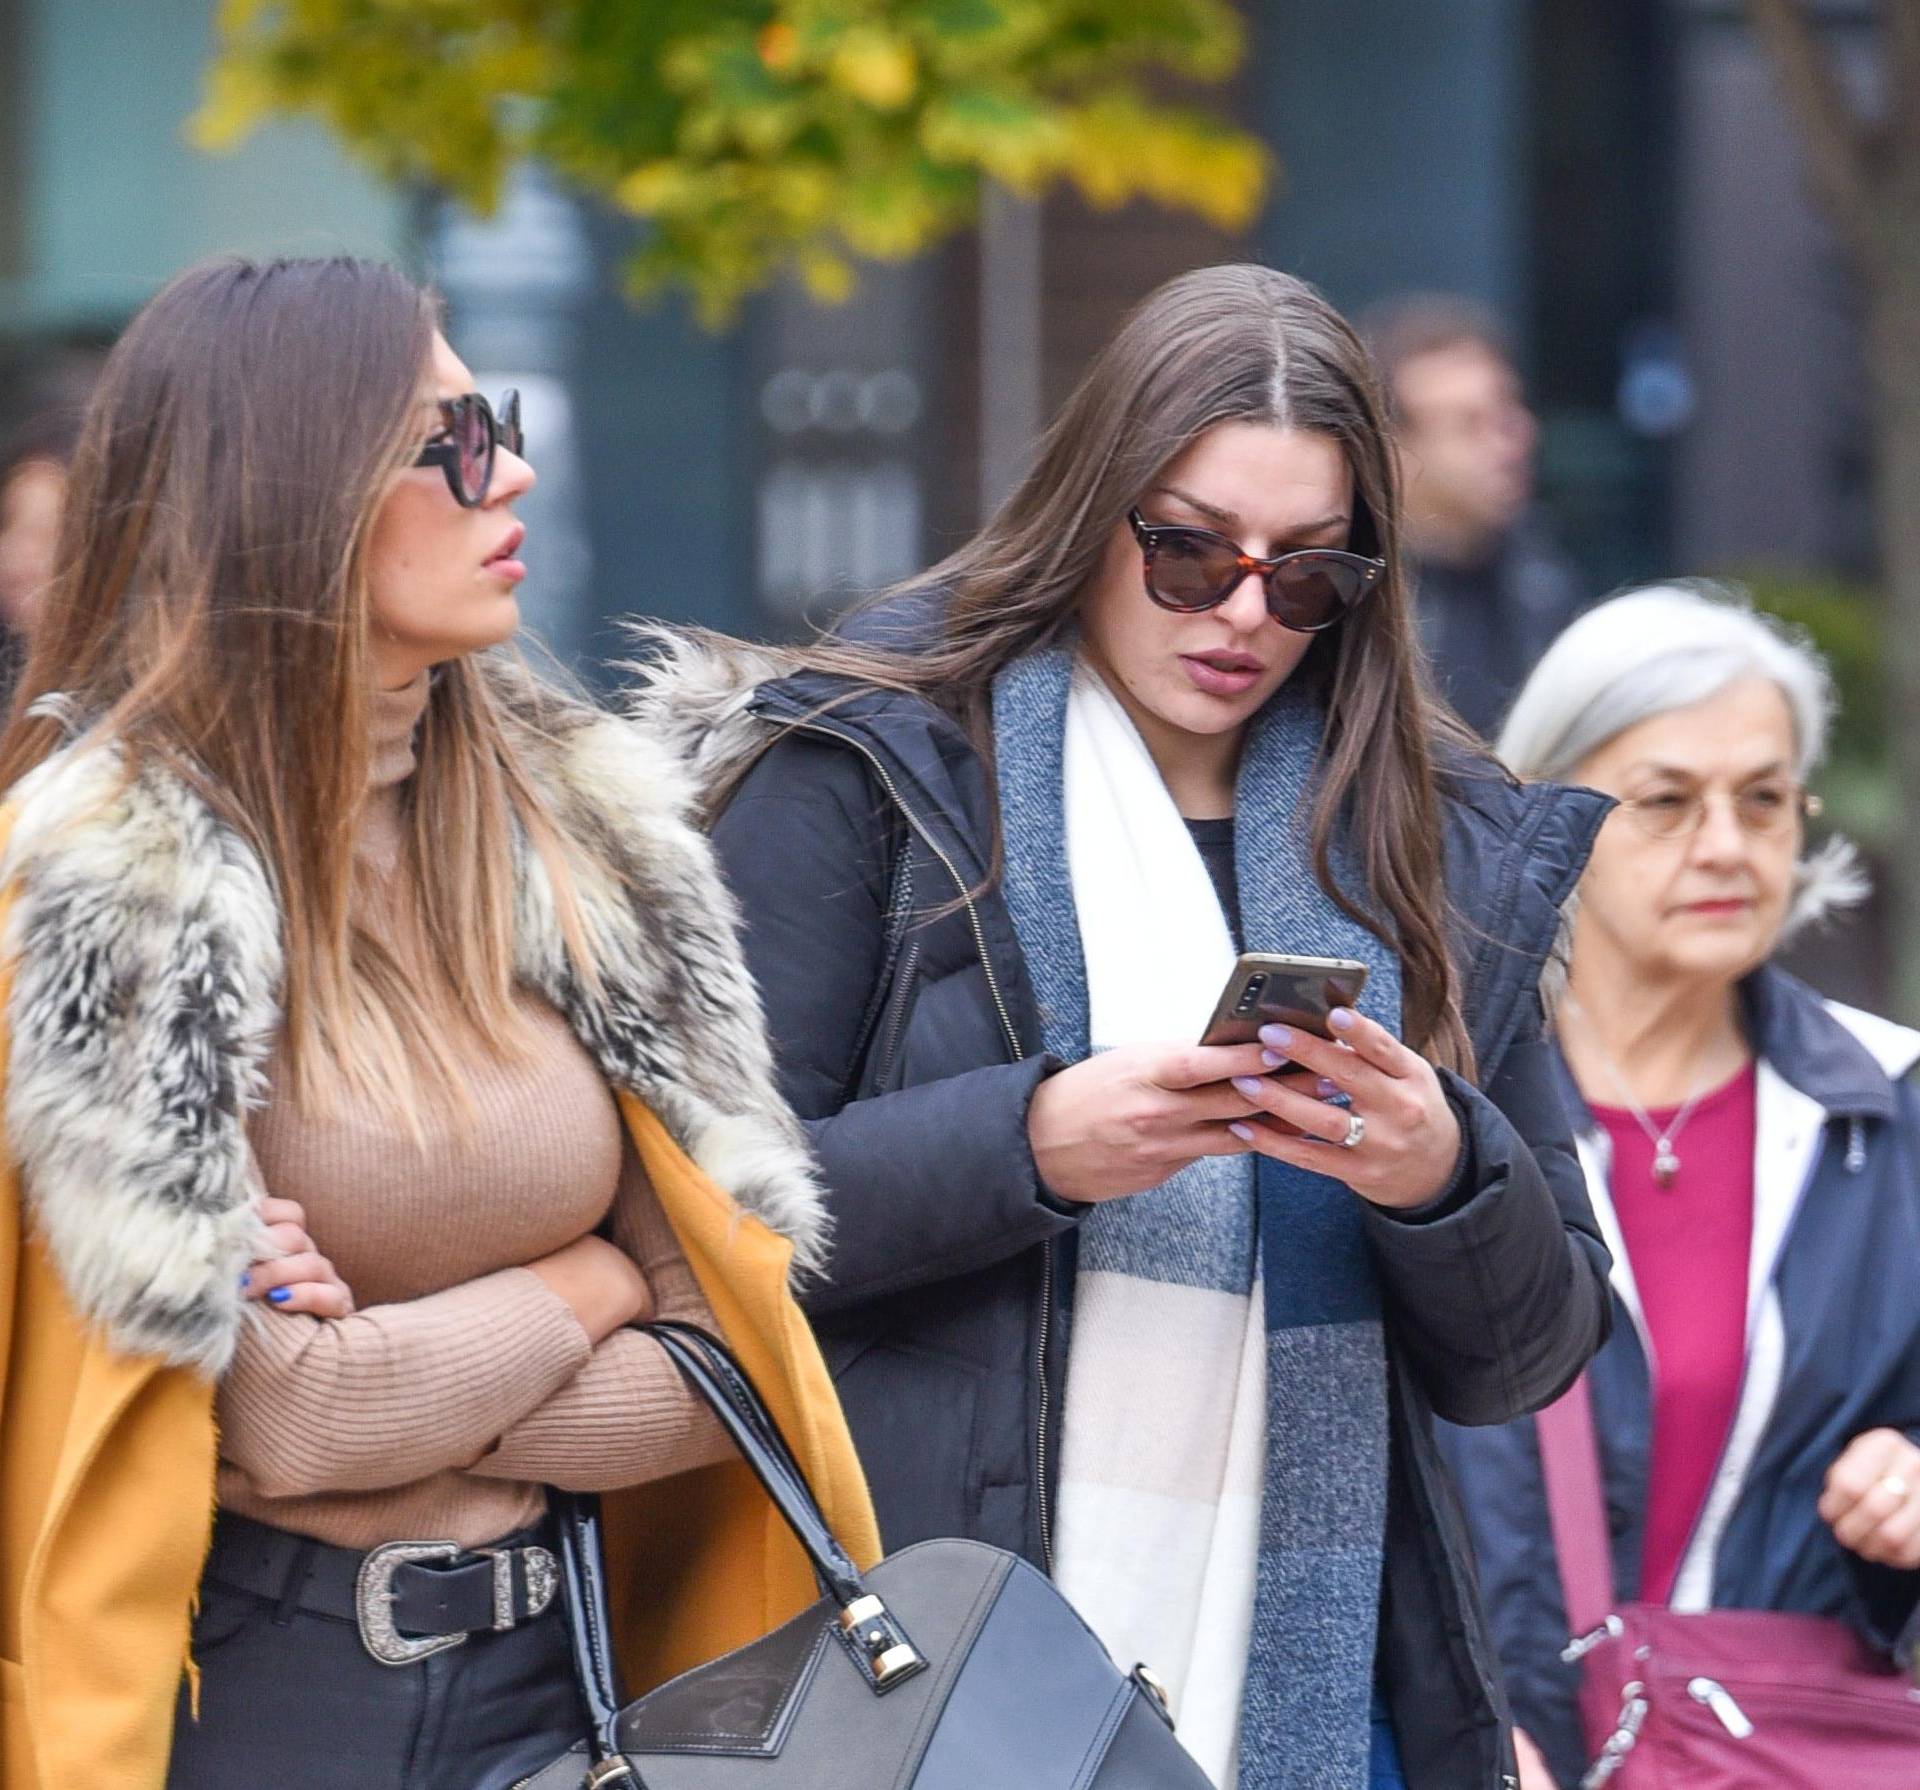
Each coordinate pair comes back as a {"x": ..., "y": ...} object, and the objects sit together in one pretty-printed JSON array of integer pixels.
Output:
[{"x": 1835, "y": 138}]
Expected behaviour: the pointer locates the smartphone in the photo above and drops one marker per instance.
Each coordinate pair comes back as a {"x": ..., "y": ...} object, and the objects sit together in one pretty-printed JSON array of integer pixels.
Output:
[{"x": 1270, "y": 990}]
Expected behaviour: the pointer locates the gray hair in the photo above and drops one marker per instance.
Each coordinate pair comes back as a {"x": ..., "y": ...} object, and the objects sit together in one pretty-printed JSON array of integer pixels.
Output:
[{"x": 1665, "y": 647}]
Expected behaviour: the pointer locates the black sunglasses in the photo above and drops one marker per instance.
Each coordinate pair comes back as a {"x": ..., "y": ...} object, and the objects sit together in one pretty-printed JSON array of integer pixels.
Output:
[
  {"x": 471, "y": 436},
  {"x": 1191, "y": 569}
]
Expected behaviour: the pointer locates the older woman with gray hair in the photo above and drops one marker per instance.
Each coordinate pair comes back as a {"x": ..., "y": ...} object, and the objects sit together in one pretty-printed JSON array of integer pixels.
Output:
[{"x": 1753, "y": 1154}]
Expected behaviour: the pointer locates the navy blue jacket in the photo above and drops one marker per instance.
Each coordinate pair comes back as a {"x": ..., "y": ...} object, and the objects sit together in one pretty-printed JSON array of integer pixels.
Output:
[
  {"x": 860, "y": 846},
  {"x": 1835, "y": 1351}
]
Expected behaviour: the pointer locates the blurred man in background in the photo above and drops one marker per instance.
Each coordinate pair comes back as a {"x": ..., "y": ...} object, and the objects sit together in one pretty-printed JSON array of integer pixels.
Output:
[
  {"x": 34, "y": 456},
  {"x": 33, "y": 484},
  {"x": 1490, "y": 590}
]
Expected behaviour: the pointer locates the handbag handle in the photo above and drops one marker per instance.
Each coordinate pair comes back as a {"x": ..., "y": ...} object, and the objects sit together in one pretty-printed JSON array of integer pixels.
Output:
[
  {"x": 1577, "y": 1511},
  {"x": 724, "y": 1376},
  {"x": 583, "y": 1585},
  {"x": 711, "y": 1370},
  {"x": 872, "y": 1635}
]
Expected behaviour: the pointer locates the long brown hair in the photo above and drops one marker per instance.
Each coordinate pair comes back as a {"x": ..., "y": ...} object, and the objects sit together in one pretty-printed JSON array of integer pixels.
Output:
[
  {"x": 211, "y": 614},
  {"x": 1225, "y": 344}
]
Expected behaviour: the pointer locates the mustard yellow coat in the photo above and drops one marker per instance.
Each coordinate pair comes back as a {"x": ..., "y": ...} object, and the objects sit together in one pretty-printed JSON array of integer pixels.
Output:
[{"x": 106, "y": 1503}]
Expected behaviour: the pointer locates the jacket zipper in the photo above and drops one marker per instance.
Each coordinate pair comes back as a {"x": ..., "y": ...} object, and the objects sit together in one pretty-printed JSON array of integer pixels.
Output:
[
  {"x": 1046, "y": 1400},
  {"x": 1019, "y": 1055},
  {"x": 898, "y": 1019}
]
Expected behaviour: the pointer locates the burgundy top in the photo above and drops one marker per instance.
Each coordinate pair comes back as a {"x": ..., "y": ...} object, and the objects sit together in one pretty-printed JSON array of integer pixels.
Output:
[{"x": 1688, "y": 1244}]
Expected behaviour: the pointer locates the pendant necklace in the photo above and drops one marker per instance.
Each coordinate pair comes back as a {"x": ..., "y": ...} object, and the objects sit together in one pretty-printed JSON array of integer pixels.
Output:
[{"x": 1666, "y": 1163}]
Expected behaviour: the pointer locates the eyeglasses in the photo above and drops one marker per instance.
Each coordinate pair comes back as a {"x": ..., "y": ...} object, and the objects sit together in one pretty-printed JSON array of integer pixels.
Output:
[
  {"x": 1762, "y": 810},
  {"x": 471, "y": 437},
  {"x": 1193, "y": 569}
]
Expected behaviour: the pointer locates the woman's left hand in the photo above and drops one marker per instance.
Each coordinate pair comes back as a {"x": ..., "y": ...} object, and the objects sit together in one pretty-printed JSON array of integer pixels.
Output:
[
  {"x": 1410, "y": 1139},
  {"x": 1871, "y": 1501}
]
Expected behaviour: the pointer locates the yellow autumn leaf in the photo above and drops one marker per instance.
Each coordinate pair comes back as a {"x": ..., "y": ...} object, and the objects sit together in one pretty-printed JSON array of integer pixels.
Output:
[
  {"x": 1120, "y": 150},
  {"x": 235, "y": 16},
  {"x": 826, "y": 275},
  {"x": 875, "y": 67},
  {"x": 801, "y": 194},
  {"x": 889, "y": 219},
  {"x": 239, "y": 98},
  {"x": 765, "y": 131},
  {"x": 651, "y": 188},
  {"x": 1239, "y": 172}
]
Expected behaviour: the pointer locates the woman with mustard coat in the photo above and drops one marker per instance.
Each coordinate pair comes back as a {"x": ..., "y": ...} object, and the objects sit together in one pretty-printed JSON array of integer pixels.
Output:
[{"x": 377, "y": 1048}]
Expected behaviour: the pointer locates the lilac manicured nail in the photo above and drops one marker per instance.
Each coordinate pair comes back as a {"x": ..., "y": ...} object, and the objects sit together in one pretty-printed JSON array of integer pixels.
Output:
[
  {"x": 280, "y": 1295},
  {"x": 1276, "y": 1037},
  {"x": 1341, "y": 1019},
  {"x": 1248, "y": 1085},
  {"x": 1243, "y": 1132},
  {"x": 1326, "y": 1089},
  {"x": 1274, "y": 1060}
]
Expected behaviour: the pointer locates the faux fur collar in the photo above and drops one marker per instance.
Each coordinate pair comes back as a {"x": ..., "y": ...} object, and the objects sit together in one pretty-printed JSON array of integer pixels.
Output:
[
  {"x": 146, "y": 943},
  {"x": 691, "y": 688}
]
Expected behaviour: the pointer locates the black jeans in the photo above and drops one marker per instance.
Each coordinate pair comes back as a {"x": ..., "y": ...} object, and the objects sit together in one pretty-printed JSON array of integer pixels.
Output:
[{"x": 293, "y": 1699}]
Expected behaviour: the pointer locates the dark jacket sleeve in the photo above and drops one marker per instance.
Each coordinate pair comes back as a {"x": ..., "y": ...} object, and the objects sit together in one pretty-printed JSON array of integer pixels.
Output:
[
  {"x": 1504, "y": 1500},
  {"x": 1501, "y": 1297},
  {"x": 927, "y": 1182},
  {"x": 1887, "y": 1599}
]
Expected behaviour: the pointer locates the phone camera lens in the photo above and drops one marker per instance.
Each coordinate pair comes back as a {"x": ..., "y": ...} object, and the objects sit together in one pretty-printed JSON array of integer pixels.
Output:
[{"x": 1250, "y": 996}]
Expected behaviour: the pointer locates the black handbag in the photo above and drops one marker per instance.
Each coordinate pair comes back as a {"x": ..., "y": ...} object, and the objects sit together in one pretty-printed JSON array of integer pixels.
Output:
[{"x": 950, "y": 1666}]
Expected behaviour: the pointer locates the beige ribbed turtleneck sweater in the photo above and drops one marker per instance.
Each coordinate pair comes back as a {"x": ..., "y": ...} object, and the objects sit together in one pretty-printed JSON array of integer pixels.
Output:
[{"x": 461, "y": 1384}]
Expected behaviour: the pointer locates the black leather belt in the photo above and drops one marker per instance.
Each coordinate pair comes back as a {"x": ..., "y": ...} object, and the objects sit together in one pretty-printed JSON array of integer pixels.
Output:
[{"x": 408, "y": 1598}]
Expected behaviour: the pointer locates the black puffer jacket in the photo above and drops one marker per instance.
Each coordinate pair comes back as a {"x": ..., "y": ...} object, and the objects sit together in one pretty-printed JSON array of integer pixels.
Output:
[{"x": 905, "y": 1035}]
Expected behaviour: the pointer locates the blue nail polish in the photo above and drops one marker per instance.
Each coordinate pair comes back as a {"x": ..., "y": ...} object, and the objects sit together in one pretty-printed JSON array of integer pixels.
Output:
[
  {"x": 1341, "y": 1019},
  {"x": 246, "y": 1280},
  {"x": 1276, "y": 1037},
  {"x": 1273, "y": 1059},
  {"x": 1243, "y": 1132},
  {"x": 280, "y": 1295},
  {"x": 1248, "y": 1085}
]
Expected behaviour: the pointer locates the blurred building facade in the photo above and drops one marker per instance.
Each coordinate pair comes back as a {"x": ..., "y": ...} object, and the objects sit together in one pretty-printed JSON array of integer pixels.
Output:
[{"x": 1615, "y": 177}]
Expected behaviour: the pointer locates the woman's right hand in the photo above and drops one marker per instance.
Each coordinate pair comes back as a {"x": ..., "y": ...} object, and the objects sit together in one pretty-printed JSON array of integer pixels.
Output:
[
  {"x": 600, "y": 1282},
  {"x": 299, "y": 1278},
  {"x": 1123, "y": 1121}
]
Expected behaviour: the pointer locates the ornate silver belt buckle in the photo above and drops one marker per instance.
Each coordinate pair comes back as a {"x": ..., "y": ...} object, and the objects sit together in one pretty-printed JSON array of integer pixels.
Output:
[
  {"x": 543, "y": 1580},
  {"x": 373, "y": 1596}
]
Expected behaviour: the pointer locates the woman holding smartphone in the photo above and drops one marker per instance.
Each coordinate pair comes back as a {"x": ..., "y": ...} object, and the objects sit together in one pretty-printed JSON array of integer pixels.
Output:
[{"x": 1173, "y": 1320}]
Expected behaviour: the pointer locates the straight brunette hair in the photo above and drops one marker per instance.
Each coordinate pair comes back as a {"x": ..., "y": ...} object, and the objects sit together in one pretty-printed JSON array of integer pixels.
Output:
[
  {"x": 211, "y": 615},
  {"x": 1231, "y": 344}
]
